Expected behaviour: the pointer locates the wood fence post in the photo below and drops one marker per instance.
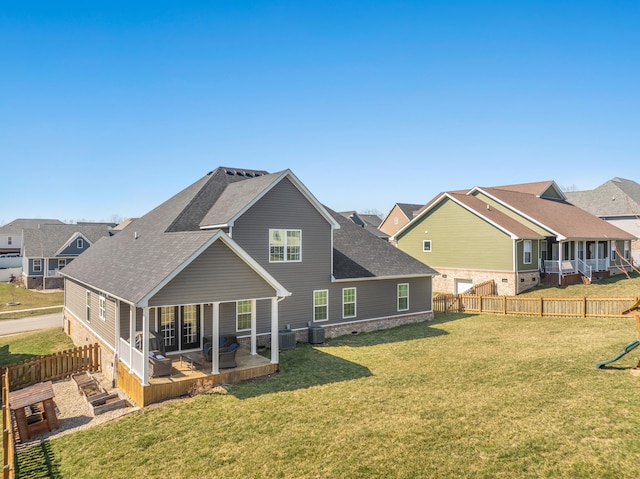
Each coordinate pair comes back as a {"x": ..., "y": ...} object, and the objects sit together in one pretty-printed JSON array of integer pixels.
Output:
[
  {"x": 96, "y": 352},
  {"x": 541, "y": 306},
  {"x": 505, "y": 304},
  {"x": 584, "y": 308}
]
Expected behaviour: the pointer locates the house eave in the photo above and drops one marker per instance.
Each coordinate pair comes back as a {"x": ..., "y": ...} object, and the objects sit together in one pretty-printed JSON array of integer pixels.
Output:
[{"x": 382, "y": 278}]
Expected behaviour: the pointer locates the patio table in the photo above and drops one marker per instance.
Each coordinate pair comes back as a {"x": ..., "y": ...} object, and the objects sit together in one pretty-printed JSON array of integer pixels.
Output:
[{"x": 39, "y": 394}]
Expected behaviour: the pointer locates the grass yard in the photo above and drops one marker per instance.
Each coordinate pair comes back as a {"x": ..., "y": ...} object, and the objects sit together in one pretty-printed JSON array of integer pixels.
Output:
[
  {"x": 475, "y": 396},
  {"x": 20, "y": 347},
  {"x": 28, "y": 299},
  {"x": 618, "y": 286}
]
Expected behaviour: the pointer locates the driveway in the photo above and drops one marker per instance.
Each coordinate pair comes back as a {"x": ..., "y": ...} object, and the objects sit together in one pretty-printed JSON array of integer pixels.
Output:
[{"x": 14, "y": 326}]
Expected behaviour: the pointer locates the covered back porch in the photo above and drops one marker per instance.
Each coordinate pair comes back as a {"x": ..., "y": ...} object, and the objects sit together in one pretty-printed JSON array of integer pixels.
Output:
[
  {"x": 184, "y": 344},
  {"x": 187, "y": 375},
  {"x": 585, "y": 260}
]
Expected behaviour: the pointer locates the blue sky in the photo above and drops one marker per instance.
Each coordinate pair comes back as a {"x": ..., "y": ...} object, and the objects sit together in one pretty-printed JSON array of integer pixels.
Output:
[{"x": 109, "y": 108}]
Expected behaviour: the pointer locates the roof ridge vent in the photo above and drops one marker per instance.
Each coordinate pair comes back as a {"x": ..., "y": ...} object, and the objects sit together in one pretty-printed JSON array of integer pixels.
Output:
[{"x": 243, "y": 173}]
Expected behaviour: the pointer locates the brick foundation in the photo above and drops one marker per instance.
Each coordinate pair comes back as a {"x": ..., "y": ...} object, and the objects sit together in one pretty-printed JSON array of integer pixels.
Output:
[
  {"x": 507, "y": 282},
  {"x": 81, "y": 336},
  {"x": 335, "y": 330}
]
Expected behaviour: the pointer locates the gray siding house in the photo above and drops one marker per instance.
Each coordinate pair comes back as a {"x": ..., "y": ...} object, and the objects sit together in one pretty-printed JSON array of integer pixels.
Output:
[
  {"x": 239, "y": 253},
  {"x": 48, "y": 248}
]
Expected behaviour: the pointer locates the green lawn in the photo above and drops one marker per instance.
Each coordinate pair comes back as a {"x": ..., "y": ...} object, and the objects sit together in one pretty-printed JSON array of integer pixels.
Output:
[
  {"x": 28, "y": 299},
  {"x": 618, "y": 286},
  {"x": 474, "y": 396},
  {"x": 16, "y": 348}
]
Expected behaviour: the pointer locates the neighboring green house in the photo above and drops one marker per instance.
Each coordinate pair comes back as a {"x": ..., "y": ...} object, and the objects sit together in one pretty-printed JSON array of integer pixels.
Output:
[{"x": 516, "y": 235}]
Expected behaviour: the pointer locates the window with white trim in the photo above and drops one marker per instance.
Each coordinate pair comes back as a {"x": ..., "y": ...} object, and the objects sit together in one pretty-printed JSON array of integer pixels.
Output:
[
  {"x": 403, "y": 296},
  {"x": 190, "y": 323},
  {"x": 62, "y": 262},
  {"x": 348, "y": 302},
  {"x": 79, "y": 243},
  {"x": 285, "y": 246},
  {"x": 168, "y": 326},
  {"x": 627, "y": 254},
  {"x": 526, "y": 252},
  {"x": 395, "y": 220},
  {"x": 37, "y": 265},
  {"x": 321, "y": 305},
  {"x": 426, "y": 246},
  {"x": 243, "y": 315},
  {"x": 614, "y": 251},
  {"x": 102, "y": 307},
  {"x": 9, "y": 240},
  {"x": 88, "y": 303}
]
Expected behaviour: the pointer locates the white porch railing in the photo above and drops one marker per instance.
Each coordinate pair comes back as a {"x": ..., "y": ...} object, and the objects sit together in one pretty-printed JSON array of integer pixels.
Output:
[
  {"x": 124, "y": 352},
  {"x": 576, "y": 266},
  {"x": 565, "y": 266},
  {"x": 584, "y": 269},
  {"x": 53, "y": 273},
  {"x": 598, "y": 264},
  {"x": 131, "y": 357}
]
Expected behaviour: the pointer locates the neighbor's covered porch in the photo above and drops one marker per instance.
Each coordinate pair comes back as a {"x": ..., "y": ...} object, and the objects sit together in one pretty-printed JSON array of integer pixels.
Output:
[{"x": 586, "y": 257}]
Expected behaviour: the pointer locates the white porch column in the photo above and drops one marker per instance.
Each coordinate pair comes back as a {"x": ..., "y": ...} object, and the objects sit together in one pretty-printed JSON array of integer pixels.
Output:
[
  {"x": 215, "y": 339},
  {"x": 275, "y": 355},
  {"x": 560, "y": 248},
  {"x": 116, "y": 342},
  {"x": 254, "y": 328},
  {"x": 132, "y": 334},
  {"x": 145, "y": 346}
]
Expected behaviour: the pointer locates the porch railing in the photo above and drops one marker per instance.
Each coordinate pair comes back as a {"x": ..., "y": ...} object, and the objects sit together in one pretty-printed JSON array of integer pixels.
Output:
[
  {"x": 598, "y": 264},
  {"x": 584, "y": 269},
  {"x": 554, "y": 266},
  {"x": 568, "y": 266},
  {"x": 131, "y": 357}
]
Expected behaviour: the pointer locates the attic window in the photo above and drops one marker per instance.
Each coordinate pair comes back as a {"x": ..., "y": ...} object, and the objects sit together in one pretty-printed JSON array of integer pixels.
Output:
[
  {"x": 80, "y": 243},
  {"x": 426, "y": 246}
]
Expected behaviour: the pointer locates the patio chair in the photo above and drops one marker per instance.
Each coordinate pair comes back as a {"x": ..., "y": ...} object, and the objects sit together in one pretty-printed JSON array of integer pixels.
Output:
[
  {"x": 159, "y": 363},
  {"x": 227, "y": 347}
]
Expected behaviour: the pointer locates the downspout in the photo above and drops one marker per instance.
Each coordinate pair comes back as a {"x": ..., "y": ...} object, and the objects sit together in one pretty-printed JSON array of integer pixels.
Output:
[
  {"x": 114, "y": 373},
  {"x": 515, "y": 262}
]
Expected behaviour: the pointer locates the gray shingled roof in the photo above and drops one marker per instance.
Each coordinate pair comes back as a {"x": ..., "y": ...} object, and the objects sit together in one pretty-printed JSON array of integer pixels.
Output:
[
  {"x": 48, "y": 239},
  {"x": 136, "y": 260},
  {"x": 132, "y": 263},
  {"x": 409, "y": 209},
  {"x": 16, "y": 226},
  {"x": 236, "y": 197},
  {"x": 359, "y": 254},
  {"x": 616, "y": 197}
]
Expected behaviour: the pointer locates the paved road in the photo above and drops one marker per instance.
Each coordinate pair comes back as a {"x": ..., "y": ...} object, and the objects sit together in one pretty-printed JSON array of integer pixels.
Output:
[{"x": 13, "y": 326}]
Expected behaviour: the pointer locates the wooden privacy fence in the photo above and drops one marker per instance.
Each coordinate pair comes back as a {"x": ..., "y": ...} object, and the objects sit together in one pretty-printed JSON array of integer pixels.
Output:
[
  {"x": 514, "y": 305},
  {"x": 32, "y": 371},
  {"x": 8, "y": 442},
  {"x": 54, "y": 366}
]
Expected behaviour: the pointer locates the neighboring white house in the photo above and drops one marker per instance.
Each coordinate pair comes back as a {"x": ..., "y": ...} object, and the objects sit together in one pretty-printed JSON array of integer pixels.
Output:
[{"x": 11, "y": 233}]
